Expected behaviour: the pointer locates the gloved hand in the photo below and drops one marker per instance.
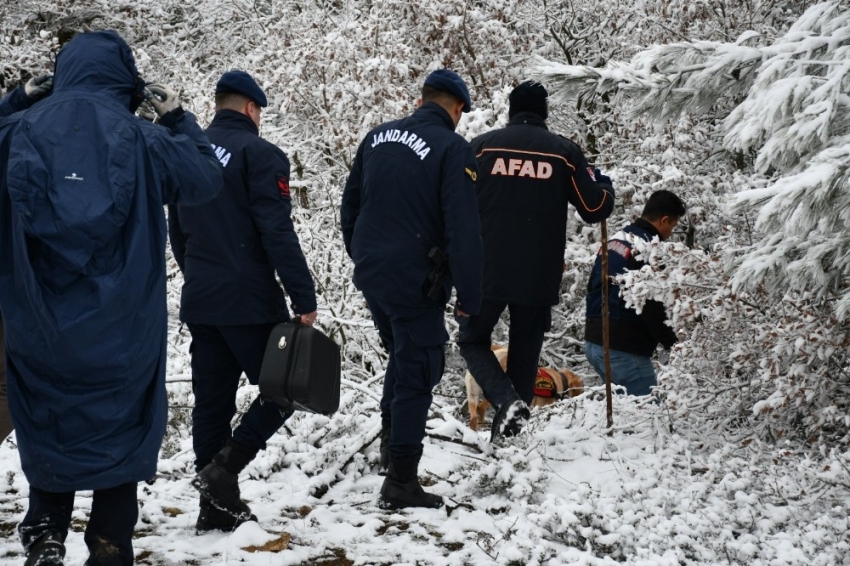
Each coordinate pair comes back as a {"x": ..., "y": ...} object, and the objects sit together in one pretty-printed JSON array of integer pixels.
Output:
[
  {"x": 664, "y": 356},
  {"x": 600, "y": 178},
  {"x": 605, "y": 180},
  {"x": 162, "y": 98},
  {"x": 38, "y": 87}
]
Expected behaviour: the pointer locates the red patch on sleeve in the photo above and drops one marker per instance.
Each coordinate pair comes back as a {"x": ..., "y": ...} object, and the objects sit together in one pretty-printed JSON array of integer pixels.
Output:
[
  {"x": 591, "y": 173},
  {"x": 283, "y": 186}
]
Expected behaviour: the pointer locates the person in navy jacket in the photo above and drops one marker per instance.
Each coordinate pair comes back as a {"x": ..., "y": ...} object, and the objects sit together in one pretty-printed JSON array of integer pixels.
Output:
[
  {"x": 633, "y": 337},
  {"x": 528, "y": 177},
  {"x": 83, "y": 182},
  {"x": 410, "y": 195},
  {"x": 19, "y": 99},
  {"x": 229, "y": 250}
]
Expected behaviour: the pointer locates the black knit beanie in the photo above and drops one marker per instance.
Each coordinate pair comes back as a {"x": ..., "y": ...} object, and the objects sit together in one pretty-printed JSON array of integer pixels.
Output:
[{"x": 530, "y": 96}]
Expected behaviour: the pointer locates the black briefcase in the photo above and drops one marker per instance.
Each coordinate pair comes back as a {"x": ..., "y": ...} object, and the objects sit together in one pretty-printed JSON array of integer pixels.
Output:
[{"x": 301, "y": 369}]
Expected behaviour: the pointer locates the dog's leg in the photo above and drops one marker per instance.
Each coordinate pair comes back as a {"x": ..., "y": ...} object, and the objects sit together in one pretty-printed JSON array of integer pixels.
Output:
[{"x": 482, "y": 408}]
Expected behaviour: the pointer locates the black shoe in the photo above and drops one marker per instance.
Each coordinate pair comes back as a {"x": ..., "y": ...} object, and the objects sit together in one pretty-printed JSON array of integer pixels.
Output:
[
  {"x": 46, "y": 551},
  {"x": 397, "y": 495},
  {"x": 211, "y": 518},
  {"x": 509, "y": 420},
  {"x": 221, "y": 488}
]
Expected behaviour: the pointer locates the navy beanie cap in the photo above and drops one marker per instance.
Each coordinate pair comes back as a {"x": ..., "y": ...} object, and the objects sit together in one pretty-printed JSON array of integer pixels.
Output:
[
  {"x": 240, "y": 82},
  {"x": 450, "y": 82},
  {"x": 530, "y": 96}
]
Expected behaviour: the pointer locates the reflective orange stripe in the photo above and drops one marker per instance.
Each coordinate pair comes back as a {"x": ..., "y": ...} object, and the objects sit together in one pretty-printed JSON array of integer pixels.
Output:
[{"x": 555, "y": 155}]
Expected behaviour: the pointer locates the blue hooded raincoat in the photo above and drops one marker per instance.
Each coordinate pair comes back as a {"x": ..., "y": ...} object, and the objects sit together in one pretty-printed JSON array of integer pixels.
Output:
[{"x": 82, "y": 267}]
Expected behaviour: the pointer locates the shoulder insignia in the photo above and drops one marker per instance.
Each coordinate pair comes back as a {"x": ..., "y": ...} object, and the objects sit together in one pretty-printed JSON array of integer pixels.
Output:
[
  {"x": 472, "y": 174},
  {"x": 283, "y": 186}
]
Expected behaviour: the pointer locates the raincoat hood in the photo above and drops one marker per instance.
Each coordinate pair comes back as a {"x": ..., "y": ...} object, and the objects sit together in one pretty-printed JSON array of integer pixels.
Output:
[{"x": 100, "y": 61}]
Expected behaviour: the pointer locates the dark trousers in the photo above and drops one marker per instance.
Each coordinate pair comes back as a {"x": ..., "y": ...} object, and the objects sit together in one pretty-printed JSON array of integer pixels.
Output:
[
  {"x": 525, "y": 339},
  {"x": 109, "y": 533},
  {"x": 220, "y": 354},
  {"x": 6, "y": 425},
  {"x": 415, "y": 339}
]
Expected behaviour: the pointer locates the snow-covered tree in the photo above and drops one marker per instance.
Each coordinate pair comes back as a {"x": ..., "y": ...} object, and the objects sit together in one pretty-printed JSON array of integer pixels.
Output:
[
  {"x": 764, "y": 305},
  {"x": 795, "y": 118}
]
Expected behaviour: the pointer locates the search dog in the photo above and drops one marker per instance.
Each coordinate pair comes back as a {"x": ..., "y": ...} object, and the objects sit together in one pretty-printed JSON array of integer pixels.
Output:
[{"x": 550, "y": 386}]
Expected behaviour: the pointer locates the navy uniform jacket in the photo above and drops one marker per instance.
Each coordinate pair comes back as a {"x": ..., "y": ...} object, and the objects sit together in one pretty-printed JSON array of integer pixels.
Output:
[
  {"x": 628, "y": 331},
  {"x": 230, "y": 247},
  {"x": 528, "y": 175},
  {"x": 411, "y": 188}
]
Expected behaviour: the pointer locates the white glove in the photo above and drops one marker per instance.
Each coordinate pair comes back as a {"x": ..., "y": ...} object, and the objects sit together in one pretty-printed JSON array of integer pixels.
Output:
[
  {"x": 664, "y": 356},
  {"x": 162, "y": 98},
  {"x": 38, "y": 87}
]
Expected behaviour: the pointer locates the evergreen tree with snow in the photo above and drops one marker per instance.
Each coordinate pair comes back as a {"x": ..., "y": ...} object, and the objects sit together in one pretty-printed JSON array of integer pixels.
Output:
[{"x": 786, "y": 104}]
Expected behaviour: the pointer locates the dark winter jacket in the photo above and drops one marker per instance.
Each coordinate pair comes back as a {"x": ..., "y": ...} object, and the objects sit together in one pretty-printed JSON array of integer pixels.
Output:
[
  {"x": 527, "y": 177},
  {"x": 628, "y": 331},
  {"x": 230, "y": 247},
  {"x": 83, "y": 183},
  {"x": 412, "y": 188}
]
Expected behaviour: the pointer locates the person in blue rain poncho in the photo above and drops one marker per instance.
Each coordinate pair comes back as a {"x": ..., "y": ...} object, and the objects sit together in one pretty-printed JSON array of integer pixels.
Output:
[{"x": 83, "y": 182}]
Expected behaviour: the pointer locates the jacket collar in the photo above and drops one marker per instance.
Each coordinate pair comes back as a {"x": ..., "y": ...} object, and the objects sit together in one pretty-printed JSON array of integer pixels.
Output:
[
  {"x": 234, "y": 120},
  {"x": 530, "y": 118},
  {"x": 646, "y": 227},
  {"x": 435, "y": 113}
]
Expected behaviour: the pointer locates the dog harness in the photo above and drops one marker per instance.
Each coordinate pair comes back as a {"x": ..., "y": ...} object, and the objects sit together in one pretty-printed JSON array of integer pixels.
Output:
[{"x": 544, "y": 385}]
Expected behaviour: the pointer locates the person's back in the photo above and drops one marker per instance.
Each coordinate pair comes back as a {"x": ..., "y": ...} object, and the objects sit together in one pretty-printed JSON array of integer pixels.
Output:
[
  {"x": 528, "y": 177},
  {"x": 403, "y": 202},
  {"x": 82, "y": 274},
  {"x": 229, "y": 257}
]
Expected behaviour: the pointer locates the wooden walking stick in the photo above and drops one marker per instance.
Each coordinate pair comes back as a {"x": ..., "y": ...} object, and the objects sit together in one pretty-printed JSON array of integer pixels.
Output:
[{"x": 606, "y": 345}]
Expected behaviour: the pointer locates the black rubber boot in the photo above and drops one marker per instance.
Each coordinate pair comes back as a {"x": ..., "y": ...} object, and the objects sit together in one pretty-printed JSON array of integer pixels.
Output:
[
  {"x": 384, "y": 464},
  {"x": 48, "y": 550},
  {"x": 211, "y": 518},
  {"x": 219, "y": 480},
  {"x": 401, "y": 487},
  {"x": 510, "y": 419}
]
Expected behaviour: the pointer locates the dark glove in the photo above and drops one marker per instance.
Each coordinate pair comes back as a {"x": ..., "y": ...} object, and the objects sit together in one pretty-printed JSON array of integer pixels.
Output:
[
  {"x": 162, "y": 98},
  {"x": 38, "y": 87},
  {"x": 600, "y": 178},
  {"x": 605, "y": 180}
]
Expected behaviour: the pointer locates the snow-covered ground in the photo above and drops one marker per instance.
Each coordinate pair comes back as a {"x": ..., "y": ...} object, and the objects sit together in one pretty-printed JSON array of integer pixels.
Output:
[{"x": 654, "y": 492}]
